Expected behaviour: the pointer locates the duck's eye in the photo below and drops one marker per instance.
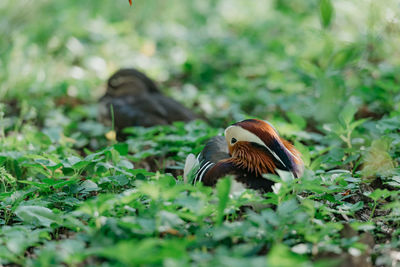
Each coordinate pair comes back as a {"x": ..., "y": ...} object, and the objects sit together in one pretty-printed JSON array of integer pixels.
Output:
[{"x": 233, "y": 140}]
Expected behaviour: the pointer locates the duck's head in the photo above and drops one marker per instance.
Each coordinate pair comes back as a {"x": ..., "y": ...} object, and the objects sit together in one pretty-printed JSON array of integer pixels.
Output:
[{"x": 256, "y": 146}]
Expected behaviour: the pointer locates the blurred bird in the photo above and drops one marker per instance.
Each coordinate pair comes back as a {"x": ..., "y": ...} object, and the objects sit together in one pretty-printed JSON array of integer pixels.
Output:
[
  {"x": 136, "y": 101},
  {"x": 249, "y": 149}
]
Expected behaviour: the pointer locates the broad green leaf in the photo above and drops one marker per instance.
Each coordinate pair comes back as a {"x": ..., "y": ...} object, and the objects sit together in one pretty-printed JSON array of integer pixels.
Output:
[
  {"x": 122, "y": 148},
  {"x": 287, "y": 208},
  {"x": 347, "y": 114},
  {"x": 352, "y": 207},
  {"x": 88, "y": 186},
  {"x": 378, "y": 193},
  {"x": 37, "y": 215}
]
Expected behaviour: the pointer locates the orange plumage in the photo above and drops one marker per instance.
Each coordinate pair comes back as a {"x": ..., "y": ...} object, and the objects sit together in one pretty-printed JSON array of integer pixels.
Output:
[{"x": 252, "y": 159}]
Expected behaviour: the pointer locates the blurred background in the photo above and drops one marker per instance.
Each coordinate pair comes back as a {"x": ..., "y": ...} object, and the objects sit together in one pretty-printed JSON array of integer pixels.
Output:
[
  {"x": 283, "y": 60},
  {"x": 325, "y": 73}
]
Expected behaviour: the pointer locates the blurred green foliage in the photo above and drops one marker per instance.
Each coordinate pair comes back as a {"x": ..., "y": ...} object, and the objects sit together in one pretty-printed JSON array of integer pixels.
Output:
[{"x": 325, "y": 73}]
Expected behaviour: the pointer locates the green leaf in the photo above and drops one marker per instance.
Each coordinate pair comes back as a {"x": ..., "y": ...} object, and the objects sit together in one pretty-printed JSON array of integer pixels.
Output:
[
  {"x": 305, "y": 153},
  {"x": 280, "y": 255},
  {"x": 88, "y": 186},
  {"x": 125, "y": 164},
  {"x": 378, "y": 193},
  {"x": 297, "y": 119},
  {"x": 168, "y": 220},
  {"x": 75, "y": 163},
  {"x": 134, "y": 253},
  {"x": 37, "y": 215},
  {"x": 352, "y": 207},
  {"x": 122, "y": 148},
  {"x": 270, "y": 217},
  {"x": 347, "y": 114},
  {"x": 357, "y": 123},
  {"x": 287, "y": 208},
  {"x": 223, "y": 189},
  {"x": 120, "y": 180},
  {"x": 326, "y": 12}
]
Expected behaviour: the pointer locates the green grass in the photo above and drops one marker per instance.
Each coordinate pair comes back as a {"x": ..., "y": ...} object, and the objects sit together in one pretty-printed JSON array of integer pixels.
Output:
[{"x": 326, "y": 76}]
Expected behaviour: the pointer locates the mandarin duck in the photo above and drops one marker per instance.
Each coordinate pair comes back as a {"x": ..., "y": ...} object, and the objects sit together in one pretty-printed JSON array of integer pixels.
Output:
[
  {"x": 137, "y": 101},
  {"x": 249, "y": 149}
]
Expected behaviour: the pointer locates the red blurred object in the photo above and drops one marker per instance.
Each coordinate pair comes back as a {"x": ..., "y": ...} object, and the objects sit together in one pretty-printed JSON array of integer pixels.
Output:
[
  {"x": 346, "y": 193},
  {"x": 130, "y": 2}
]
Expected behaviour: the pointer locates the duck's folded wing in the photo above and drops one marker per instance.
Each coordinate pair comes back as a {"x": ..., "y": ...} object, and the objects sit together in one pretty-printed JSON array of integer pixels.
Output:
[
  {"x": 139, "y": 110},
  {"x": 215, "y": 150},
  {"x": 175, "y": 111}
]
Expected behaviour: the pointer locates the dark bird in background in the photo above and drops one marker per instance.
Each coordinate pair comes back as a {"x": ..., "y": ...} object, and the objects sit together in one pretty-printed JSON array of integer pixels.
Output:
[
  {"x": 249, "y": 149},
  {"x": 137, "y": 101}
]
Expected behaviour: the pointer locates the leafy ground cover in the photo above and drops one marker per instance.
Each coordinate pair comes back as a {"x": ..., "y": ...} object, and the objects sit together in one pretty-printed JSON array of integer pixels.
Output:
[{"x": 326, "y": 76}]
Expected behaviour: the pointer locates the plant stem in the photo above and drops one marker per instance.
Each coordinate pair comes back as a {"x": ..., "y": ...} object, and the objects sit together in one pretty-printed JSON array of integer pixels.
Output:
[{"x": 373, "y": 211}]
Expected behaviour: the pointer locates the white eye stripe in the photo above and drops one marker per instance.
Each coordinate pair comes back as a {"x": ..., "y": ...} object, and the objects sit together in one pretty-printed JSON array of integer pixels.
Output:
[{"x": 241, "y": 134}]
